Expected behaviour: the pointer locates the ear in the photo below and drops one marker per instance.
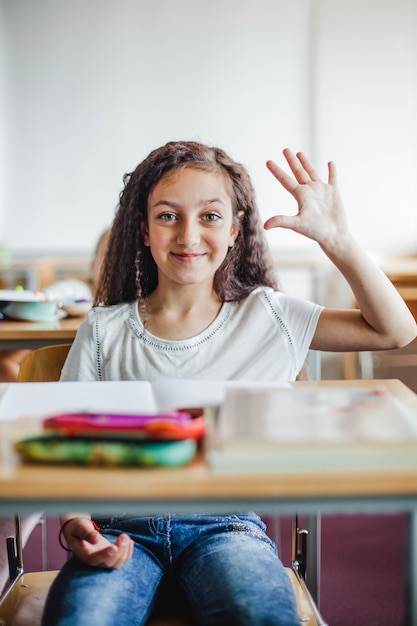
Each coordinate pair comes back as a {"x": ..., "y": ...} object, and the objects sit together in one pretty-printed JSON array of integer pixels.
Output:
[
  {"x": 145, "y": 233},
  {"x": 234, "y": 231}
]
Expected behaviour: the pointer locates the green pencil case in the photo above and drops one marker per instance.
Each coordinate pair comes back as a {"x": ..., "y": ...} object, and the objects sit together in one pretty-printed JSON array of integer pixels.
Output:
[{"x": 52, "y": 448}]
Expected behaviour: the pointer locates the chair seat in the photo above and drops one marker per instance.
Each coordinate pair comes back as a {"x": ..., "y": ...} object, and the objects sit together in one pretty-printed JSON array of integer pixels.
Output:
[{"x": 22, "y": 605}]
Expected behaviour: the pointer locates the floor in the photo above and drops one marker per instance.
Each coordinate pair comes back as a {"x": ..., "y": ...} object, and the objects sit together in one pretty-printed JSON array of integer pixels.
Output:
[{"x": 363, "y": 573}]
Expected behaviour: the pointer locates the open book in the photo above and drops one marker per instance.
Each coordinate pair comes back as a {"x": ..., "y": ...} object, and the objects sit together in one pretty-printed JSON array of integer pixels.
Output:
[{"x": 311, "y": 427}]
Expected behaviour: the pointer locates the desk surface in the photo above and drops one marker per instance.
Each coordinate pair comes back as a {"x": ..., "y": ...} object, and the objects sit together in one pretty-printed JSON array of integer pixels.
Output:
[
  {"x": 16, "y": 335},
  {"x": 399, "y": 268},
  {"x": 197, "y": 487}
]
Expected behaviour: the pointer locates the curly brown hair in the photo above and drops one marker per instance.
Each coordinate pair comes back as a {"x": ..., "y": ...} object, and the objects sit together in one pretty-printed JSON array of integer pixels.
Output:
[{"x": 129, "y": 271}]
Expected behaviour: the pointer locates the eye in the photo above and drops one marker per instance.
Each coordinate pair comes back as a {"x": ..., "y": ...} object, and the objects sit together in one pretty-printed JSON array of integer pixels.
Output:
[
  {"x": 167, "y": 217},
  {"x": 211, "y": 217}
]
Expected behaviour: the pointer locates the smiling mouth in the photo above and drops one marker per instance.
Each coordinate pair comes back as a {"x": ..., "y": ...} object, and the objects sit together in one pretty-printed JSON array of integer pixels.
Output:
[{"x": 187, "y": 258}]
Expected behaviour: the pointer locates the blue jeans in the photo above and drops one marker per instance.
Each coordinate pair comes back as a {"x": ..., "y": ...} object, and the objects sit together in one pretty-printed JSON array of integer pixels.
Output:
[{"x": 227, "y": 566}]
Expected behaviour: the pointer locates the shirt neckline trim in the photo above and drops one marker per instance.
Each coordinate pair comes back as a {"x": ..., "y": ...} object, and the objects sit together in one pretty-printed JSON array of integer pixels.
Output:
[{"x": 183, "y": 344}]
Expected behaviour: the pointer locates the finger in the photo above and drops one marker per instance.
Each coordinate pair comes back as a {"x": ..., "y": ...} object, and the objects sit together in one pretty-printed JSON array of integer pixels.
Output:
[
  {"x": 82, "y": 533},
  {"x": 106, "y": 557},
  {"x": 280, "y": 221},
  {"x": 332, "y": 173},
  {"x": 93, "y": 537},
  {"x": 121, "y": 551},
  {"x": 296, "y": 166},
  {"x": 124, "y": 545},
  {"x": 308, "y": 166},
  {"x": 286, "y": 181},
  {"x": 124, "y": 542},
  {"x": 94, "y": 555}
]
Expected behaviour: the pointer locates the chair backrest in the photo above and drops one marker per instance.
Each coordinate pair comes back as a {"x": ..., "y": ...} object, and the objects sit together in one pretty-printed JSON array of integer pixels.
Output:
[{"x": 44, "y": 364}]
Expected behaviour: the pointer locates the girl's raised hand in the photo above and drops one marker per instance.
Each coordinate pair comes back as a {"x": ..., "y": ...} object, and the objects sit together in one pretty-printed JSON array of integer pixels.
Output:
[{"x": 320, "y": 215}]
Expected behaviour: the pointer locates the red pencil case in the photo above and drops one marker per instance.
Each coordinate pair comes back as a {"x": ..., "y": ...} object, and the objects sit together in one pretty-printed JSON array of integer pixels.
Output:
[{"x": 173, "y": 425}]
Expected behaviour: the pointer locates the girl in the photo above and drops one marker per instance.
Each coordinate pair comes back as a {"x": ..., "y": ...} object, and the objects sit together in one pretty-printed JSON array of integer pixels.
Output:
[{"x": 188, "y": 290}]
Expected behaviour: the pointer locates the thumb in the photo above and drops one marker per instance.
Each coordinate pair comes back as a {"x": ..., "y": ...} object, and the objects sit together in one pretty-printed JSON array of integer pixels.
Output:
[
  {"x": 92, "y": 536},
  {"x": 81, "y": 528},
  {"x": 280, "y": 221}
]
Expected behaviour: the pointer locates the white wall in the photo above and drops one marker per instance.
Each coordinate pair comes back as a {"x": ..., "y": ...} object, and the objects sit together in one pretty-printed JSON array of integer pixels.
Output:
[
  {"x": 94, "y": 85},
  {"x": 365, "y": 100},
  {"x": 3, "y": 123}
]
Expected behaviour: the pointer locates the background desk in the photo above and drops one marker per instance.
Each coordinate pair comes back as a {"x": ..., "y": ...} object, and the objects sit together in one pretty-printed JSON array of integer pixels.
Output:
[
  {"x": 16, "y": 335},
  {"x": 400, "y": 363}
]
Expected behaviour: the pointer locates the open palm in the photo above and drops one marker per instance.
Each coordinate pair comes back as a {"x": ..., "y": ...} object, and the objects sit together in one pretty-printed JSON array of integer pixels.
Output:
[{"x": 321, "y": 214}]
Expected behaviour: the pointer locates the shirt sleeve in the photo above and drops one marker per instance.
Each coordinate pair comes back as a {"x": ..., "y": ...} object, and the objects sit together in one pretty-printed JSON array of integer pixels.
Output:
[{"x": 301, "y": 317}]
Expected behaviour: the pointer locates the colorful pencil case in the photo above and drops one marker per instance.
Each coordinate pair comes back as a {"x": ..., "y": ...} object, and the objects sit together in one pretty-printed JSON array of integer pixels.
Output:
[
  {"x": 53, "y": 448},
  {"x": 167, "y": 426}
]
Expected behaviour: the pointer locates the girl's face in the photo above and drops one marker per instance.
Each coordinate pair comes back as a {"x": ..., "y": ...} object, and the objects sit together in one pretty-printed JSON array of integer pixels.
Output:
[{"x": 190, "y": 226}]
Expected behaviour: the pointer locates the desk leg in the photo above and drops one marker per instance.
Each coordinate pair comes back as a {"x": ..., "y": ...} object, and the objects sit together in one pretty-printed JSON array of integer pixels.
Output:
[
  {"x": 411, "y": 579},
  {"x": 313, "y": 525}
]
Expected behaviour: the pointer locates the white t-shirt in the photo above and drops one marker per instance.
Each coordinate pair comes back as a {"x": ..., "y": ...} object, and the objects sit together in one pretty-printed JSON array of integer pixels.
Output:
[{"x": 264, "y": 337}]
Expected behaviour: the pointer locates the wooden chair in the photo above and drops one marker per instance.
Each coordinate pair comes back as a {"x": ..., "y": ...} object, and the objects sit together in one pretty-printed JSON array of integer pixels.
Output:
[
  {"x": 43, "y": 365},
  {"x": 24, "y": 605},
  {"x": 23, "y": 601}
]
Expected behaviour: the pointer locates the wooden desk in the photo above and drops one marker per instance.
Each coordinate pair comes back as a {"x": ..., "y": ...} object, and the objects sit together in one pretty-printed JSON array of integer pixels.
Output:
[
  {"x": 401, "y": 270},
  {"x": 16, "y": 335},
  {"x": 196, "y": 488},
  {"x": 30, "y": 487}
]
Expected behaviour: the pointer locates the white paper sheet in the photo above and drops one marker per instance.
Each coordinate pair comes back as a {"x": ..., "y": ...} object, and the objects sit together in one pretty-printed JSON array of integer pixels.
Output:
[{"x": 38, "y": 400}]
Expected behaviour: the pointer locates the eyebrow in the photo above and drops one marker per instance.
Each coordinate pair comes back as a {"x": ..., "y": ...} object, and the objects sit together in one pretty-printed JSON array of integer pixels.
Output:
[{"x": 175, "y": 205}]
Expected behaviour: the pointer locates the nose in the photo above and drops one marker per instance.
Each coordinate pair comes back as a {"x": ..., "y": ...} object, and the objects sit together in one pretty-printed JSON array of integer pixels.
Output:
[{"x": 188, "y": 233}]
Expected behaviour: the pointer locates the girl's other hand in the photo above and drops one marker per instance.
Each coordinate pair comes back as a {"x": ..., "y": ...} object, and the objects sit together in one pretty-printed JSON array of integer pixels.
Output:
[{"x": 89, "y": 546}]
